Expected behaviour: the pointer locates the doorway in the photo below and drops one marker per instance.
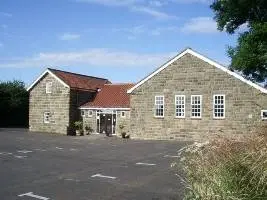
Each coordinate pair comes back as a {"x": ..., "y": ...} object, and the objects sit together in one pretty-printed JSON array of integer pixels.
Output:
[{"x": 106, "y": 123}]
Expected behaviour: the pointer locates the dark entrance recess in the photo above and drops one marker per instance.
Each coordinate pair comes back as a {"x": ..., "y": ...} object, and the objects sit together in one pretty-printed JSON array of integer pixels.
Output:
[{"x": 107, "y": 123}]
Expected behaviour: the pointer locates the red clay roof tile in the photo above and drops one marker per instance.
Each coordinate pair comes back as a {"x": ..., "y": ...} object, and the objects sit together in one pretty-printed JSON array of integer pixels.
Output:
[
  {"x": 111, "y": 96},
  {"x": 79, "y": 81}
]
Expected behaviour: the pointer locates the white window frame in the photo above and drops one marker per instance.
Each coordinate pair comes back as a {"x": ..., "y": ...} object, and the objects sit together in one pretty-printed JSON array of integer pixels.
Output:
[
  {"x": 123, "y": 115},
  {"x": 48, "y": 87},
  {"x": 82, "y": 113},
  {"x": 156, "y": 105},
  {"x": 177, "y": 99},
  {"x": 192, "y": 104},
  {"x": 47, "y": 116},
  {"x": 89, "y": 113},
  {"x": 219, "y": 117},
  {"x": 262, "y": 117}
]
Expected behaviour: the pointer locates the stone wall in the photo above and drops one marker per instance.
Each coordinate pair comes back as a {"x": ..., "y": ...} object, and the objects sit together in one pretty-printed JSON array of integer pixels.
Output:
[
  {"x": 125, "y": 121},
  {"x": 192, "y": 76},
  {"x": 90, "y": 121},
  {"x": 57, "y": 103}
]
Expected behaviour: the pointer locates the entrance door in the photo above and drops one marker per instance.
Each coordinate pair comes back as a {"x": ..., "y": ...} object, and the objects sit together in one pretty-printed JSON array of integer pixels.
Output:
[{"x": 107, "y": 123}]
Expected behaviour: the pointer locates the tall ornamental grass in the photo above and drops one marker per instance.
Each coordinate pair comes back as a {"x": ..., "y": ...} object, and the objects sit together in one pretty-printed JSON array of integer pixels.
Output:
[{"x": 224, "y": 169}]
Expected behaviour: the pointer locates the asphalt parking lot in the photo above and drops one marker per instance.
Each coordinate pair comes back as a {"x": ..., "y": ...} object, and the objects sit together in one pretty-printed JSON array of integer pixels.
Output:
[{"x": 45, "y": 166}]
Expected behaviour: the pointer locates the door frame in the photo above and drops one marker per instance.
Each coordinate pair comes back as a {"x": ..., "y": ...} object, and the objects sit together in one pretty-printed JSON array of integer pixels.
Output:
[{"x": 98, "y": 121}]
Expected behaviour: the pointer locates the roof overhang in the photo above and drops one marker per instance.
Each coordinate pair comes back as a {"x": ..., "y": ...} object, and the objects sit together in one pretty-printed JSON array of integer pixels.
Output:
[
  {"x": 94, "y": 108},
  {"x": 47, "y": 71},
  {"x": 205, "y": 59}
]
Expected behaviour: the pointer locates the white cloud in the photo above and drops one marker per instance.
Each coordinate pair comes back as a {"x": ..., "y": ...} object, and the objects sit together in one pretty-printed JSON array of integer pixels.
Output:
[
  {"x": 91, "y": 57},
  {"x": 200, "y": 25},
  {"x": 112, "y": 2},
  {"x": 152, "y": 12},
  {"x": 69, "y": 36},
  {"x": 135, "y": 31},
  {"x": 5, "y": 14},
  {"x": 139, "y": 6},
  {"x": 157, "y": 3},
  {"x": 192, "y": 1}
]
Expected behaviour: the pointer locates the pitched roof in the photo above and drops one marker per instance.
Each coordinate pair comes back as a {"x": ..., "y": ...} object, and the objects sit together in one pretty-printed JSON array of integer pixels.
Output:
[
  {"x": 79, "y": 81},
  {"x": 72, "y": 80},
  {"x": 111, "y": 96},
  {"x": 205, "y": 59}
]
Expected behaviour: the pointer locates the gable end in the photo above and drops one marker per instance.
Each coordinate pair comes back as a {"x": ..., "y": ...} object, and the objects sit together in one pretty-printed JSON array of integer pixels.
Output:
[
  {"x": 203, "y": 58},
  {"x": 42, "y": 75}
]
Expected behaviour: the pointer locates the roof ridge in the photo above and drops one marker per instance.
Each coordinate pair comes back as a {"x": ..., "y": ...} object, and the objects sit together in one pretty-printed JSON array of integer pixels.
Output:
[
  {"x": 119, "y": 83},
  {"x": 76, "y": 73}
]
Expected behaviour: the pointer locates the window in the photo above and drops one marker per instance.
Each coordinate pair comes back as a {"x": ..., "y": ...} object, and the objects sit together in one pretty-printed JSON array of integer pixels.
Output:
[
  {"x": 180, "y": 106},
  {"x": 82, "y": 113},
  {"x": 219, "y": 106},
  {"x": 123, "y": 114},
  {"x": 196, "y": 103},
  {"x": 48, "y": 88},
  {"x": 89, "y": 113},
  {"x": 159, "y": 106},
  {"x": 47, "y": 117},
  {"x": 264, "y": 114}
]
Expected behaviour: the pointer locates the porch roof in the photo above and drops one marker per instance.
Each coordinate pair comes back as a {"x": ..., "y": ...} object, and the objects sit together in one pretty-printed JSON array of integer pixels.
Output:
[{"x": 111, "y": 96}]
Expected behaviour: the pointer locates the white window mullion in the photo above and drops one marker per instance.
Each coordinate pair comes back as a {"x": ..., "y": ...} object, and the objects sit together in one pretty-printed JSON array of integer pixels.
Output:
[
  {"x": 48, "y": 87},
  {"x": 46, "y": 117},
  {"x": 196, "y": 106},
  {"x": 264, "y": 114},
  {"x": 180, "y": 106},
  {"x": 159, "y": 106},
  {"x": 219, "y": 106}
]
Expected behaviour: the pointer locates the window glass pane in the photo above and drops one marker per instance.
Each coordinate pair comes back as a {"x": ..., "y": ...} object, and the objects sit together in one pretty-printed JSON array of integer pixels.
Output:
[
  {"x": 159, "y": 106},
  {"x": 196, "y": 106},
  {"x": 218, "y": 106}
]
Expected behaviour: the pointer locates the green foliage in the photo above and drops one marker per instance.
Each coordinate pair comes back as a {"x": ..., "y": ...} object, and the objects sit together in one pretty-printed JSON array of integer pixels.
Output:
[
  {"x": 14, "y": 104},
  {"x": 225, "y": 169},
  {"x": 78, "y": 125},
  {"x": 250, "y": 54},
  {"x": 88, "y": 129},
  {"x": 230, "y": 14}
]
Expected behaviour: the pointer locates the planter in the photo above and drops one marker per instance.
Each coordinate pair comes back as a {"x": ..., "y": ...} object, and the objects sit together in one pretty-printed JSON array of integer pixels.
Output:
[
  {"x": 79, "y": 132},
  {"x": 123, "y": 135}
]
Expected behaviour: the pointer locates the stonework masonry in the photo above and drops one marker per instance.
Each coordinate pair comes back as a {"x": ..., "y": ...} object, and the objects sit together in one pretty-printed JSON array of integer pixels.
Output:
[
  {"x": 57, "y": 103},
  {"x": 188, "y": 76}
]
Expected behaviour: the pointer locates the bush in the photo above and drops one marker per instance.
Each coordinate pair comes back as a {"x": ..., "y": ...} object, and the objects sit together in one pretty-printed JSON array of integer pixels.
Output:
[{"x": 225, "y": 169}]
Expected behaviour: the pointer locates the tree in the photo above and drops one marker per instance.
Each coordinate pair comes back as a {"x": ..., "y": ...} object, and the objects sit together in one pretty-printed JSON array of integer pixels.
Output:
[
  {"x": 250, "y": 54},
  {"x": 14, "y": 104}
]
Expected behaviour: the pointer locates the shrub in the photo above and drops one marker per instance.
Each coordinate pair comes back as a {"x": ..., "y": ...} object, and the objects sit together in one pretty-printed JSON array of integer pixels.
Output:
[
  {"x": 224, "y": 169},
  {"x": 78, "y": 125},
  {"x": 88, "y": 129}
]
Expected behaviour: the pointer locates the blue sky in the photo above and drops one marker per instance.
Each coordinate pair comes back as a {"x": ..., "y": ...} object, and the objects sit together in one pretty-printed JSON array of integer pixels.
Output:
[{"x": 122, "y": 40}]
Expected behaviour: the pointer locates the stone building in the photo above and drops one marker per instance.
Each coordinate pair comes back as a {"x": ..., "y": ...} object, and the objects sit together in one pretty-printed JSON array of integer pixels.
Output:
[
  {"x": 188, "y": 97},
  {"x": 109, "y": 111},
  {"x": 193, "y": 97},
  {"x": 55, "y": 98}
]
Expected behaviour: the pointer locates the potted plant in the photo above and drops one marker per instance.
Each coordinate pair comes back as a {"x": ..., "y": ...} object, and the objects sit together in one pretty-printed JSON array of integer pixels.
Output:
[
  {"x": 123, "y": 133},
  {"x": 88, "y": 129},
  {"x": 78, "y": 127}
]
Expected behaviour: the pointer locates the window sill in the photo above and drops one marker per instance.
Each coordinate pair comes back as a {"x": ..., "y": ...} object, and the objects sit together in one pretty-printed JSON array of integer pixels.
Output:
[
  {"x": 215, "y": 118},
  {"x": 159, "y": 117},
  {"x": 179, "y": 117}
]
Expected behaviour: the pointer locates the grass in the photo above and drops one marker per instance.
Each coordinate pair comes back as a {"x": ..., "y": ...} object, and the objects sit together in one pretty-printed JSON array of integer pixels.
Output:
[{"x": 224, "y": 169}]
